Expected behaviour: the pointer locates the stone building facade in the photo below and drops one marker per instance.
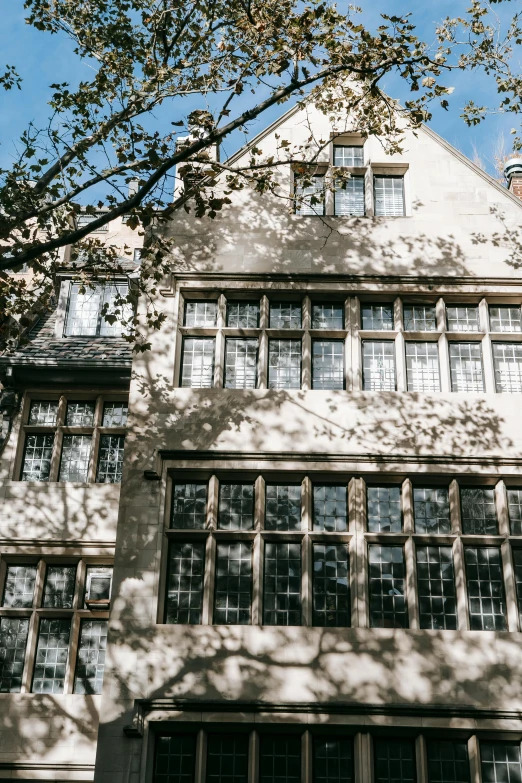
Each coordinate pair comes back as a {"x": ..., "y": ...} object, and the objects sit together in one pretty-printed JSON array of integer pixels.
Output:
[{"x": 317, "y": 538}]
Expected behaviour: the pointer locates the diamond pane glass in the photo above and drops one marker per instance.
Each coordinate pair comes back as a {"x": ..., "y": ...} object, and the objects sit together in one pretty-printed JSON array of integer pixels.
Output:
[
  {"x": 236, "y": 506},
  {"x": 387, "y": 584},
  {"x": 115, "y": 414},
  {"x": 384, "y": 509},
  {"x": 394, "y": 761},
  {"x": 280, "y": 759},
  {"x": 282, "y": 584},
  {"x": 448, "y": 761},
  {"x": 328, "y": 316},
  {"x": 175, "y": 759},
  {"x": 13, "y": 641},
  {"x": 431, "y": 510},
  {"x": 284, "y": 364},
  {"x": 198, "y": 363},
  {"x": 348, "y": 155},
  {"x": 243, "y": 315},
  {"x": 90, "y": 664},
  {"x": 331, "y": 589},
  {"x": 189, "y": 506},
  {"x": 79, "y": 414},
  {"x": 378, "y": 365},
  {"x": 507, "y": 363},
  {"x": 19, "y": 586},
  {"x": 240, "y": 363},
  {"x": 436, "y": 588},
  {"x": 463, "y": 318},
  {"x": 110, "y": 459},
  {"x": 285, "y": 315},
  {"x": 185, "y": 583},
  {"x": 203, "y": 314},
  {"x": 43, "y": 412},
  {"x": 515, "y": 510},
  {"x": 378, "y": 317},
  {"x": 283, "y": 507},
  {"x": 420, "y": 318},
  {"x": 479, "y": 513},
  {"x": 333, "y": 760},
  {"x": 466, "y": 367},
  {"x": 76, "y": 452},
  {"x": 487, "y": 610},
  {"x": 37, "y": 457},
  {"x": 504, "y": 318},
  {"x": 327, "y": 364},
  {"x": 501, "y": 762},
  {"x": 422, "y": 367},
  {"x": 330, "y": 507},
  {"x": 233, "y": 593},
  {"x": 227, "y": 759},
  {"x": 349, "y": 197},
  {"x": 60, "y": 582},
  {"x": 389, "y": 196},
  {"x": 52, "y": 651}
]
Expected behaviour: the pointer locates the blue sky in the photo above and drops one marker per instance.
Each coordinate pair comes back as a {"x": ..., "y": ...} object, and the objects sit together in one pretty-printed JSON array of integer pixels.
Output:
[{"x": 42, "y": 59}]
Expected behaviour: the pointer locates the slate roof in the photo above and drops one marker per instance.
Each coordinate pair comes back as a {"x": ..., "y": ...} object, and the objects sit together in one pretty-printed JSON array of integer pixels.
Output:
[{"x": 44, "y": 348}]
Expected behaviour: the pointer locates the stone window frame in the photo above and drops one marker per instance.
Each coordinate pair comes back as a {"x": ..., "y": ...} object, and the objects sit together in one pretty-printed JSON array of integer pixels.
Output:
[
  {"x": 357, "y": 537},
  {"x": 59, "y": 429},
  {"x": 352, "y": 334},
  {"x": 78, "y": 613}
]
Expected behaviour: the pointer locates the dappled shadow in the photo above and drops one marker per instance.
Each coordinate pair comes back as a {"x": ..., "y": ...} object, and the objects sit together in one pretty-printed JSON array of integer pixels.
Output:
[{"x": 506, "y": 237}]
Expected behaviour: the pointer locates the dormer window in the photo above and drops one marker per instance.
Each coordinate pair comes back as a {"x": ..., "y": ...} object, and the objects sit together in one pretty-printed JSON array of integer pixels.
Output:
[
  {"x": 351, "y": 156},
  {"x": 84, "y": 310}
]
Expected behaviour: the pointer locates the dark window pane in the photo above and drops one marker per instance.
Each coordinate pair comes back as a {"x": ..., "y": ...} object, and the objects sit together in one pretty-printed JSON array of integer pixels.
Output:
[
  {"x": 487, "y": 610},
  {"x": 175, "y": 759},
  {"x": 384, "y": 509},
  {"x": 227, "y": 759},
  {"x": 236, "y": 506},
  {"x": 90, "y": 663},
  {"x": 327, "y": 364},
  {"x": 507, "y": 363},
  {"x": 501, "y": 762},
  {"x": 52, "y": 651},
  {"x": 479, "y": 514},
  {"x": 185, "y": 583},
  {"x": 110, "y": 459},
  {"x": 448, "y": 761},
  {"x": 283, "y": 507},
  {"x": 331, "y": 586},
  {"x": 378, "y": 317},
  {"x": 388, "y": 607},
  {"x": 515, "y": 511},
  {"x": 280, "y": 759},
  {"x": 333, "y": 760},
  {"x": 243, "y": 315},
  {"x": 284, "y": 364},
  {"x": 37, "y": 457},
  {"x": 420, "y": 318},
  {"x": 285, "y": 315},
  {"x": 394, "y": 761},
  {"x": 389, "y": 196},
  {"x": 436, "y": 588},
  {"x": 80, "y": 414},
  {"x": 432, "y": 511},
  {"x": 43, "y": 412},
  {"x": 330, "y": 507},
  {"x": 240, "y": 363},
  {"x": 282, "y": 584},
  {"x": 19, "y": 586},
  {"x": 189, "y": 506},
  {"x": 59, "y": 587},
  {"x": 233, "y": 593},
  {"x": 13, "y": 641},
  {"x": 517, "y": 564},
  {"x": 76, "y": 453},
  {"x": 201, "y": 313},
  {"x": 328, "y": 316},
  {"x": 197, "y": 371},
  {"x": 115, "y": 414},
  {"x": 378, "y": 365}
]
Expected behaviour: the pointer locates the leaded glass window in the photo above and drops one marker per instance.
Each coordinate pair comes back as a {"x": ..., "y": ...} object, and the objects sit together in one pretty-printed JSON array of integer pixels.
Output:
[
  {"x": 436, "y": 588},
  {"x": 79, "y": 414},
  {"x": 283, "y": 507},
  {"x": 349, "y": 197},
  {"x": 466, "y": 367},
  {"x": 233, "y": 591},
  {"x": 330, "y": 507},
  {"x": 309, "y": 198},
  {"x": 236, "y": 506},
  {"x": 394, "y": 760},
  {"x": 378, "y": 365},
  {"x": 333, "y": 760},
  {"x": 241, "y": 363},
  {"x": 19, "y": 586},
  {"x": 189, "y": 505},
  {"x": 462, "y": 318},
  {"x": 515, "y": 510},
  {"x": 377, "y": 317},
  {"x": 115, "y": 414},
  {"x": 387, "y": 587},
  {"x": 52, "y": 652},
  {"x": 487, "y": 610},
  {"x": 175, "y": 759},
  {"x": 384, "y": 509},
  {"x": 185, "y": 583},
  {"x": 327, "y": 364},
  {"x": 504, "y": 318},
  {"x": 197, "y": 370},
  {"x": 90, "y": 664},
  {"x": 280, "y": 759},
  {"x": 328, "y": 316},
  {"x": 110, "y": 459},
  {"x": 422, "y": 367},
  {"x": 13, "y": 641},
  {"x": 201, "y": 314},
  {"x": 331, "y": 590},
  {"x": 448, "y": 761},
  {"x": 420, "y": 318},
  {"x": 285, "y": 315},
  {"x": 227, "y": 758},
  {"x": 348, "y": 155},
  {"x": 76, "y": 453},
  {"x": 431, "y": 510},
  {"x": 43, "y": 412},
  {"x": 389, "y": 196},
  {"x": 479, "y": 513},
  {"x": 37, "y": 457},
  {"x": 60, "y": 583},
  {"x": 507, "y": 363},
  {"x": 282, "y": 584},
  {"x": 284, "y": 364},
  {"x": 501, "y": 762},
  {"x": 243, "y": 315}
]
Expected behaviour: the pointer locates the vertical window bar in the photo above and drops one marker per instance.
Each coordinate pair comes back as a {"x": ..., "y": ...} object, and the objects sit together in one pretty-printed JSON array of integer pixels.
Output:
[
  {"x": 507, "y": 363},
  {"x": 90, "y": 663},
  {"x": 283, "y": 507},
  {"x": 504, "y": 318},
  {"x": 487, "y": 606},
  {"x": 197, "y": 362},
  {"x": 394, "y": 761},
  {"x": 436, "y": 588},
  {"x": 448, "y": 761},
  {"x": 19, "y": 586},
  {"x": 327, "y": 364},
  {"x": 378, "y": 365},
  {"x": 384, "y": 509},
  {"x": 479, "y": 512},
  {"x": 52, "y": 652},
  {"x": 60, "y": 583},
  {"x": 110, "y": 459},
  {"x": 175, "y": 759},
  {"x": 422, "y": 367},
  {"x": 389, "y": 196},
  {"x": 13, "y": 642},
  {"x": 333, "y": 760},
  {"x": 282, "y": 584},
  {"x": 388, "y": 607},
  {"x": 501, "y": 762},
  {"x": 420, "y": 318},
  {"x": 330, "y": 508},
  {"x": 185, "y": 583},
  {"x": 331, "y": 586},
  {"x": 241, "y": 363},
  {"x": 37, "y": 457},
  {"x": 233, "y": 590},
  {"x": 466, "y": 367},
  {"x": 431, "y": 510},
  {"x": 280, "y": 759},
  {"x": 227, "y": 758},
  {"x": 236, "y": 506},
  {"x": 189, "y": 506},
  {"x": 515, "y": 510},
  {"x": 76, "y": 453}
]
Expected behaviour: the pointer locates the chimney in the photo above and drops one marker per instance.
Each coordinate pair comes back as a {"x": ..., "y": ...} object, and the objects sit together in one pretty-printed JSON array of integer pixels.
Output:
[{"x": 513, "y": 174}]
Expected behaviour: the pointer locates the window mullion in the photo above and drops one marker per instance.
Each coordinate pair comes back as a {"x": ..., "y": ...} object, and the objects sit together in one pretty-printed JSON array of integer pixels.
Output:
[
  {"x": 39, "y": 584},
  {"x": 509, "y": 587},
  {"x": 363, "y": 586},
  {"x": 306, "y": 757},
  {"x": 68, "y": 684},
  {"x": 501, "y": 503},
  {"x": 93, "y": 459},
  {"x": 262, "y": 361},
  {"x": 363, "y": 761},
  {"x": 409, "y": 553},
  {"x": 306, "y": 365},
  {"x": 474, "y": 759},
  {"x": 421, "y": 759},
  {"x": 306, "y": 581},
  {"x": 356, "y": 368},
  {"x": 30, "y": 654},
  {"x": 253, "y": 757},
  {"x": 444, "y": 364},
  {"x": 400, "y": 363},
  {"x": 487, "y": 361},
  {"x": 201, "y": 757},
  {"x": 460, "y": 584}
]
